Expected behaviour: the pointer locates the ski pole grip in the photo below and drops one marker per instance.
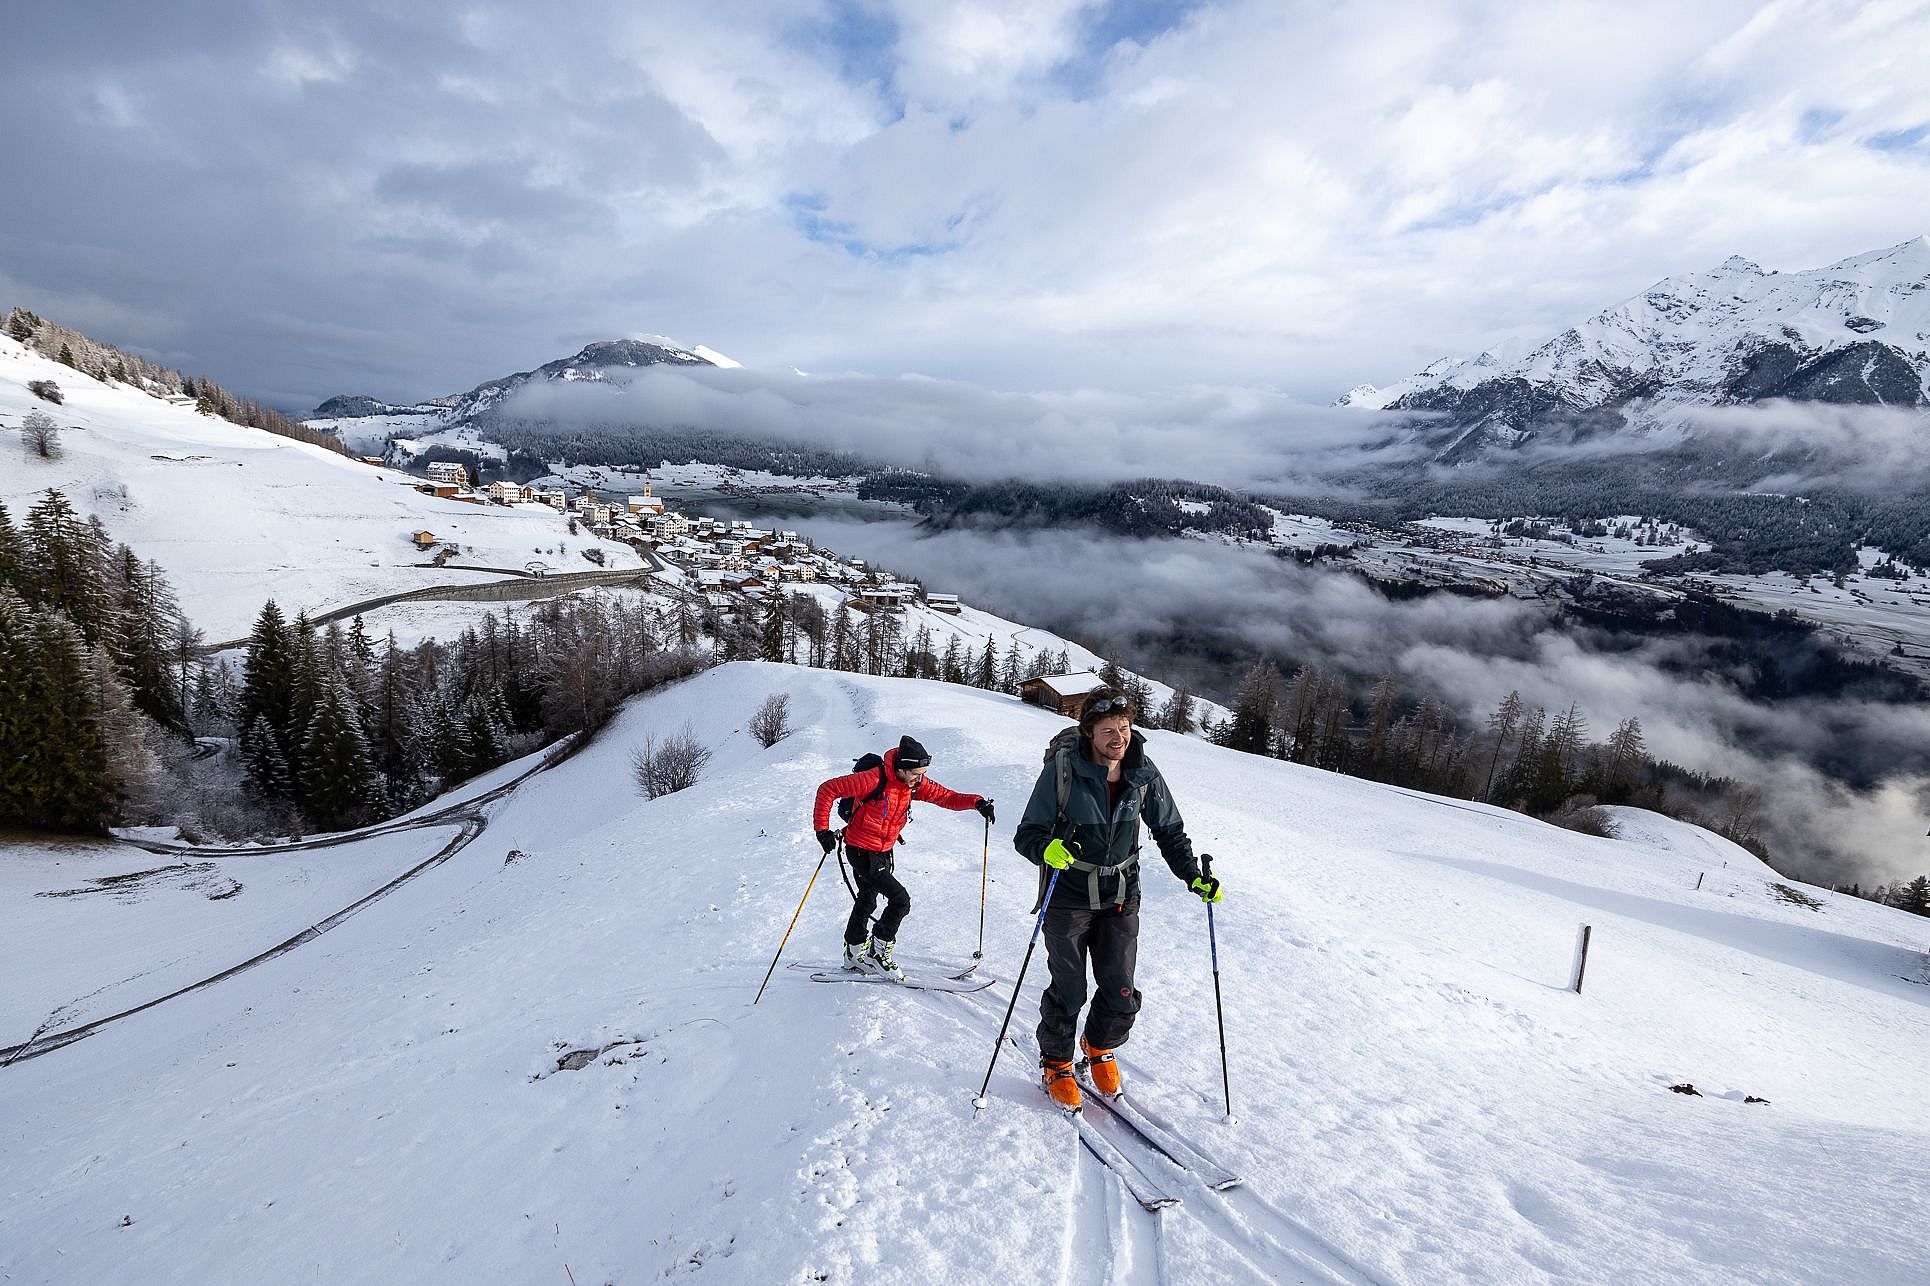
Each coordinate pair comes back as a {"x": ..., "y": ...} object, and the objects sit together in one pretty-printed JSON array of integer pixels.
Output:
[{"x": 1206, "y": 864}]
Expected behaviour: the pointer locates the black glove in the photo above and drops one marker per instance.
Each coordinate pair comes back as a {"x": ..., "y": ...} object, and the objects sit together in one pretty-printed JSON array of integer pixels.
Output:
[
  {"x": 984, "y": 807},
  {"x": 829, "y": 839}
]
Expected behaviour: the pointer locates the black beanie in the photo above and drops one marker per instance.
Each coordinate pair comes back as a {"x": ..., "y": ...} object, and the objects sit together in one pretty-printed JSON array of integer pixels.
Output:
[{"x": 911, "y": 754}]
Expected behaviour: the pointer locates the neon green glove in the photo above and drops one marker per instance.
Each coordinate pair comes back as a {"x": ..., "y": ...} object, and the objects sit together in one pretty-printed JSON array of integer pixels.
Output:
[
  {"x": 1208, "y": 887},
  {"x": 1058, "y": 856}
]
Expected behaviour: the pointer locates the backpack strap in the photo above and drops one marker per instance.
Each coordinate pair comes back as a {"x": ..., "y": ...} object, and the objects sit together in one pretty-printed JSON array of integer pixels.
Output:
[{"x": 1062, "y": 762}]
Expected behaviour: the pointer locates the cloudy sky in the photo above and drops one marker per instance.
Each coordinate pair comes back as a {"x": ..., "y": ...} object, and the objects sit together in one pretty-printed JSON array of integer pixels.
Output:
[{"x": 1024, "y": 196}]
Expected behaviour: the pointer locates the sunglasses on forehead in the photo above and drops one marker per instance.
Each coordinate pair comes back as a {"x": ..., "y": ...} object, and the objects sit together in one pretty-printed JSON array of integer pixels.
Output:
[{"x": 1110, "y": 705}]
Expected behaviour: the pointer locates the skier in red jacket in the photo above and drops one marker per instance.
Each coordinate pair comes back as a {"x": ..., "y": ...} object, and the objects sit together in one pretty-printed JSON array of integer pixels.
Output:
[{"x": 883, "y": 798}]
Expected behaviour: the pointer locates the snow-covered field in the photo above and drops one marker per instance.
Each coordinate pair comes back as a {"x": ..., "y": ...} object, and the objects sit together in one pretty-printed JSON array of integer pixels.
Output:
[
  {"x": 236, "y": 516},
  {"x": 1419, "y": 1098}
]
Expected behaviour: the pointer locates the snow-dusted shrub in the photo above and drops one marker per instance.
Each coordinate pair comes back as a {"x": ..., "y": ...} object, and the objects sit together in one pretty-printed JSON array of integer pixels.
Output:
[
  {"x": 670, "y": 765},
  {"x": 1583, "y": 813},
  {"x": 772, "y": 722},
  {"x": 46, "y": 391}
]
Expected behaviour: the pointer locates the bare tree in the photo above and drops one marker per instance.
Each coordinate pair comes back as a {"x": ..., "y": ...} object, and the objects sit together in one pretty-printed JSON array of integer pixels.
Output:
[
  {"x": 41, "y": 435},
  {"x": 665, "y": 767},
  {"x": 772, "y": 722}
]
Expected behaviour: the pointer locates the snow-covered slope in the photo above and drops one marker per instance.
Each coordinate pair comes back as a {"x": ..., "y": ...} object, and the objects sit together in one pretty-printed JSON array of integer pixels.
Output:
[
  {"x": 1419, "y": 1098},
  {"x": 236, "y": 515},
  {"x": 1857, "y": 331}
]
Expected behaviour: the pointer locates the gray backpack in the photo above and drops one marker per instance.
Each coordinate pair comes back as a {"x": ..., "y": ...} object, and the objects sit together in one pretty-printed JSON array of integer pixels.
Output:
[{"x": 1059, "y": 752}]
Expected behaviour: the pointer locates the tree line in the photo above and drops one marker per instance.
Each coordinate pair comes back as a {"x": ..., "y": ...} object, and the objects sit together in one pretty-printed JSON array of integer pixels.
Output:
[
  {"x": 1534, "y": 760},
  {"x": 1905, "y": 895},
  {"x": 95, "y": 662}
]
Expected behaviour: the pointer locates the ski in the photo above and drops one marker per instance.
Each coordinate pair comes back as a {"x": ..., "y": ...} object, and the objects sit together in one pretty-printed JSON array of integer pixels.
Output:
[
  {"x": 944, "y": 968},
  {"x": 1159, "y": 1137},
  {"x": 915, "y": 982},
  {"x": 1146, "y": 1190}
]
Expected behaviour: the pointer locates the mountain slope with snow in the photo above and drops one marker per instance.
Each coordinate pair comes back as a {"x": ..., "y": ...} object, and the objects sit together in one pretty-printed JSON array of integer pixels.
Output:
[
  {"x": 1857, "y": 331},
  {"x": 1419, "y": 1097},
  {"x": 236, "y": 516}
]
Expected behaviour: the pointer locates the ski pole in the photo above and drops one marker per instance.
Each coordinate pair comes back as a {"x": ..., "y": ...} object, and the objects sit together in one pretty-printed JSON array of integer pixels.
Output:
[
  {"x": 787, "y": 932},
  {"x": 1219, "y": 1010},
  {"x": 984, "y": 873},
  {"x": 1044, "y": 903}
]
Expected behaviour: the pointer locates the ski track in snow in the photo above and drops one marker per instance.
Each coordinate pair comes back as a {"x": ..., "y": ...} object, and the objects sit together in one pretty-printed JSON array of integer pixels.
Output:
[{"x": 1235, "y": 1223}]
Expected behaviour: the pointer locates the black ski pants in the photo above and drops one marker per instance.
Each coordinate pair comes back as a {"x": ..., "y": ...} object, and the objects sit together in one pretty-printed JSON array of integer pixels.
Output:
[
  {"x": 872, "y": 871},
  {"x": 1109, "y": 939}
]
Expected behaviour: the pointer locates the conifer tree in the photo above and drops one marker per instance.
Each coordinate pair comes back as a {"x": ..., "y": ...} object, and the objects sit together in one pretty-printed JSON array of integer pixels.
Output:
[
  {"x": 66, "y": 779},
  {"x": 13, "y": 554},
  {"x": 773, "y": 629},
  {"x": 1520, "y": 777},
  {"x": 1380, "y": 714},
  {"x": 266, "y": 708},
  {"x": 1011, "y": 670},
  {"x": 1501, "y": 726},
  {"x": 67, "y": 564},
  {"x": 987, "y": 674},
  {"x": 1178, "y": 715},
  {"x": 1251, "y": 729},
  {"x": 340, "y": 782},
  {"x": 952, "y": 668},
  {"x": 20, "y": 735},
  {"x": 1622, "y": 770}
]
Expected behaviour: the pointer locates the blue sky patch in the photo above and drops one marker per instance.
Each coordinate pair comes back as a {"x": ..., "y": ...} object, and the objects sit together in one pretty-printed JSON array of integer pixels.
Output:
[
  {"x": 807, "y": 215},
  {"x": 1897, "y": 140}
]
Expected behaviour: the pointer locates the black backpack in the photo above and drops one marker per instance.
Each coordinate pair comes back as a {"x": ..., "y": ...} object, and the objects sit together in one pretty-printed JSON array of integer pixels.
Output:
[{"x": 849, "y": 805}]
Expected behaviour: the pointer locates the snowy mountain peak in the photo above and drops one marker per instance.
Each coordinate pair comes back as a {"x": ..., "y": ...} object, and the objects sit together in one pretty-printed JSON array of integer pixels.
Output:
[
  {"x": 1856, "y": 331},
  {"x": 594, "y": 362}
]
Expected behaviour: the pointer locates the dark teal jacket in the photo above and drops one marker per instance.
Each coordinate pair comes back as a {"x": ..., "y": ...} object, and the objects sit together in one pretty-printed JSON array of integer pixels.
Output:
[{"x": 1108, "y": 871}]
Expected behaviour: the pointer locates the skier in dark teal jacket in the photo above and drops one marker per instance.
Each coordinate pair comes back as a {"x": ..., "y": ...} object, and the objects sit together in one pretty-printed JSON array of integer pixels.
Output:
[{"x": 1083, "y": 820}]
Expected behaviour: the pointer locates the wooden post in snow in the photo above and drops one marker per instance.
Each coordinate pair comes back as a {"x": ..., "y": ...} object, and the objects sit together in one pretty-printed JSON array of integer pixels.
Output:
[
  {"x": 1698, "y": 880},
  {"x": 1581, "y": 958}
]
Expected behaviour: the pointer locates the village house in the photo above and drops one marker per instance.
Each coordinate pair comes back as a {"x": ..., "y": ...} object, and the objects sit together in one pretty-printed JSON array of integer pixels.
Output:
[
  {"x": 448, "y": 471},
  {"x": 1065, "y": 693},
  {"x": 509, "y": 493},
  {"x": 423, "y": 539},
  {"x": 440, "y": 490},
  {"x": 882, "y": 598},
  {"x": 943, "y": 603}
]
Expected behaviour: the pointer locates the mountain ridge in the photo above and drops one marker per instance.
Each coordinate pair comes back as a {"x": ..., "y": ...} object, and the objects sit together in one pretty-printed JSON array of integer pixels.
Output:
[
  {"x": 592, "y": 363},
  {"x": 1856, "y": 332}
]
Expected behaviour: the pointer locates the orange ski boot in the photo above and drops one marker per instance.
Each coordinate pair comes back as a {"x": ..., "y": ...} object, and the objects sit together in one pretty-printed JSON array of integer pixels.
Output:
[
  {"x": 1060, "y": 1084},
  {"x": 1102, "y": 1067}
]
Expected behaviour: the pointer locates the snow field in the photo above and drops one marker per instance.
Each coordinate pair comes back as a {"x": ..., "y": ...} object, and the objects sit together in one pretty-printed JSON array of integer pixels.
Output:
[
  {"x": 1419, "y": 1097},
  {"x": 236, "y": 516}
]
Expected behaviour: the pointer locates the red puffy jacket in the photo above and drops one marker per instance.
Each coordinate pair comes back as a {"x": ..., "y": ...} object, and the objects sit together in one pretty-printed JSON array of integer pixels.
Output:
[{"x": 876, "y": 823}]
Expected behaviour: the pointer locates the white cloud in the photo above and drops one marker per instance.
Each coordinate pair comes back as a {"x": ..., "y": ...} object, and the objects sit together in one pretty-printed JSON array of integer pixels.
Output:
[{"x": 1286, "y": 196}]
